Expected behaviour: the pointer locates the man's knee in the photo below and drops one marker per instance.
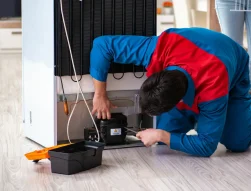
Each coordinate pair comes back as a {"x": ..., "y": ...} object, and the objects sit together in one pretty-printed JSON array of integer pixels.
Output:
[{"x": 236, "y": 147}]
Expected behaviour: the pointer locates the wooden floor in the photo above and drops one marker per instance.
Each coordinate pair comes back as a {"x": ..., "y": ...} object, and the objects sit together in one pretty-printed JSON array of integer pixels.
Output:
[{"x": 143, "y": 169}]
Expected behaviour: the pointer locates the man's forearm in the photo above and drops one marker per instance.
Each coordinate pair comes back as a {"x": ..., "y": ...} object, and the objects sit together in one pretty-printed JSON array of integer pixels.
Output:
[{"x": 100, "y": 87}]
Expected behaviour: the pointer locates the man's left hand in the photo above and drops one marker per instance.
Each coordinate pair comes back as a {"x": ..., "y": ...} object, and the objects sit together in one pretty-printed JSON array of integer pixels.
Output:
[{"x": 149, "y": 137}]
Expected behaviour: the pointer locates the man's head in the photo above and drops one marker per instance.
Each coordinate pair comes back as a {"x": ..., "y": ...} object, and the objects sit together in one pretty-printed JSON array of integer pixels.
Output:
[{"x": 162, "y": 91}]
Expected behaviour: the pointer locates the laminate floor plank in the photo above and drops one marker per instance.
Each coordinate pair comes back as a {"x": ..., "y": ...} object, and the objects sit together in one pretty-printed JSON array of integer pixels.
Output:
[{"x": 138, "y": 169}]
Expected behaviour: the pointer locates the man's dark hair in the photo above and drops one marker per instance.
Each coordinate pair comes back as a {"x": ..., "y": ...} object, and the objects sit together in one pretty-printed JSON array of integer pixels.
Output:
[{"x": 162, "y": 91}]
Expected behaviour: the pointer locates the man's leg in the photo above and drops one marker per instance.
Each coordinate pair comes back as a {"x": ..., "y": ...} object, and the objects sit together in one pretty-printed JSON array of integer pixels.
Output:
[
  {"x": 237, "y": 132},
  {"x": 248, "y": 26}
]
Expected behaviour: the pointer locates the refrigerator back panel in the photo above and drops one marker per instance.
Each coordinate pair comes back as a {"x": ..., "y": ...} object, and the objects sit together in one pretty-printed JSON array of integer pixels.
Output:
[{"x": 88, "y": 19}]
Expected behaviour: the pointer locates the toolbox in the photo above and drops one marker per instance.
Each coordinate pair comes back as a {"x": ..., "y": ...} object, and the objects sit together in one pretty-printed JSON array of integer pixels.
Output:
[
  {"x": 71, "y": 158},
  {"x": 77, "y": 157}
]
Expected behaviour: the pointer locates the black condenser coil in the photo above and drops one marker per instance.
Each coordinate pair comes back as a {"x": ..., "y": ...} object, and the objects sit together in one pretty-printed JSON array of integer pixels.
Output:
[{"x": 88, "y": 19}]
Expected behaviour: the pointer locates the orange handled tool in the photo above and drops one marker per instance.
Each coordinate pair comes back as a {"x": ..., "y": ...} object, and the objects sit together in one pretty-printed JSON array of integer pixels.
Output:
[
  {"x": 42, "y": 154},
  {"x": 66, "y": 110}
]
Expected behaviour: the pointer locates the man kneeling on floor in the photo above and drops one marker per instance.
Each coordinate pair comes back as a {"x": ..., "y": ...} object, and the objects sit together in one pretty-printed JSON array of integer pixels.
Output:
[{"x": 195, "y": 76}]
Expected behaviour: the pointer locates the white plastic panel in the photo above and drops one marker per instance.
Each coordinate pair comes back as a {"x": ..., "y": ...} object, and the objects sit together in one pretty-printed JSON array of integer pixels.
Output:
[
  {"x": 128, "y": 82},
  {"x": 38, "y": 71}
]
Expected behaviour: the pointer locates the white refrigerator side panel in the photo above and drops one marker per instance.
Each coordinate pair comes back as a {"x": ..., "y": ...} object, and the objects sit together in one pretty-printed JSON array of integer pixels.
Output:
[{"x": 38, "y": 71}]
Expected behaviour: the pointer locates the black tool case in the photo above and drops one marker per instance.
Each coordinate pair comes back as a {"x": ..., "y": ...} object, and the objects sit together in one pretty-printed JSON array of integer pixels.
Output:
[
  {"x": 88, "y": 19},
  {"x": 76, "y": 158}
]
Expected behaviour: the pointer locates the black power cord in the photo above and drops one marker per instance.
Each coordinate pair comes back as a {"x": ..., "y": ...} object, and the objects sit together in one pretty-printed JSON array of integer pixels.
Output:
[
  {"x": 62, "y": 85},
  {"x": 118, "y": 78},
  {"x": 134, "y": 73},
  {"x": 123, "y": 68},
  {"x": 78, "y": 80}
]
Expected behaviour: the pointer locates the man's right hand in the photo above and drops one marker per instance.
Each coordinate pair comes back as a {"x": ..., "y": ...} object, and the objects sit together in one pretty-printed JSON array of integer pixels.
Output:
[{"x": 102, "y": 106}]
